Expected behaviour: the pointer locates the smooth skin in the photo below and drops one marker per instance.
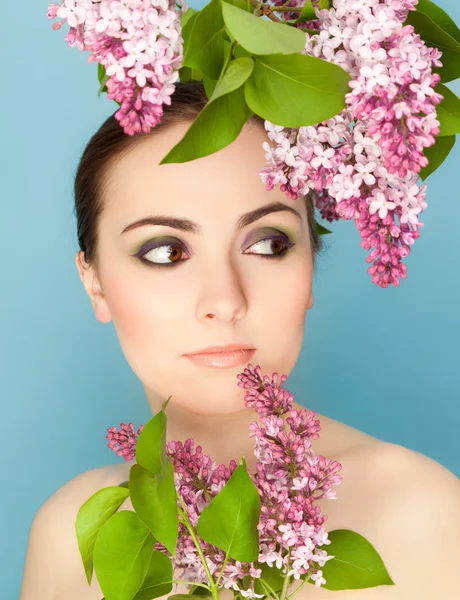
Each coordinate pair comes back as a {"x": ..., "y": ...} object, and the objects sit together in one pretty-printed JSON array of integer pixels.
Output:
[{"x": 406, "y": 504}]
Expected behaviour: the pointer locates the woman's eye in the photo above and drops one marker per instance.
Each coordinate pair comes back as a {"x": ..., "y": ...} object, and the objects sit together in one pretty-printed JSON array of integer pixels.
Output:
[
  {"x": 278, "y": 245},
  {"x": 163, "y": 255}
]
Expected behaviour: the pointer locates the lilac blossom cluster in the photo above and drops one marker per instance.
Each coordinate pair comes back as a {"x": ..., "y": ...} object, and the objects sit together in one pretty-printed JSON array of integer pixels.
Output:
[
  {"x": 365, "y": 162},
  {"x": 139, "y": 42},
  {"x": 290, "y": 477}
]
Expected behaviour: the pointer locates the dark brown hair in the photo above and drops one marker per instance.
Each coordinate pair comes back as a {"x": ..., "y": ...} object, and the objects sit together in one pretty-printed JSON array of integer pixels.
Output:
[{"x": 110, "y": 142}]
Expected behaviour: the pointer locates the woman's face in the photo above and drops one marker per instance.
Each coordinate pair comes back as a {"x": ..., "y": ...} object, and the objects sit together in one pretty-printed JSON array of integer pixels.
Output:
[{"x": 223, "y": 285}]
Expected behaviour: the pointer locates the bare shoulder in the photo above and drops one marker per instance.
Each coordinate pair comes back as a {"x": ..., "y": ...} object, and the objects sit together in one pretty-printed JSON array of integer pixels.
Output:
[
  {"x": 53, "y": 560},
  {"x": 407, "y": 505}
]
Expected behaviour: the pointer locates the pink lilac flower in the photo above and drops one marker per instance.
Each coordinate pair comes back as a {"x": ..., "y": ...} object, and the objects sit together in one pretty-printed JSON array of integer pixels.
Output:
[
  {"x": 364, "y": 164},
  {"x": 123, "y": 441},
  {"x": 140, "y": 45},
  {"x": 289, "y": 477}
]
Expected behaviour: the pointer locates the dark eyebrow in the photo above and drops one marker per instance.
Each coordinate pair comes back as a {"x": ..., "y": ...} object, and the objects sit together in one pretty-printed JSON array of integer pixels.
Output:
[{"x": 192, "y": 227}]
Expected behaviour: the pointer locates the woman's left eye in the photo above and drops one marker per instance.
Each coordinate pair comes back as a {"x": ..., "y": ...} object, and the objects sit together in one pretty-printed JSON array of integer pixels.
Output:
[{"x": 280, "y": 244}]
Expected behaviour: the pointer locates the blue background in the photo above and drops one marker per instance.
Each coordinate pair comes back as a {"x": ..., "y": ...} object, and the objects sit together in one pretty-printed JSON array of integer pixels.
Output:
[{"x": 383, "y": 361}]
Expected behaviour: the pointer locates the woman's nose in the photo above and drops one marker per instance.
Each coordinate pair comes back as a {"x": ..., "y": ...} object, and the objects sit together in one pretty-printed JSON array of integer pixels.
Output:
[{"x": 223, "y": 294}]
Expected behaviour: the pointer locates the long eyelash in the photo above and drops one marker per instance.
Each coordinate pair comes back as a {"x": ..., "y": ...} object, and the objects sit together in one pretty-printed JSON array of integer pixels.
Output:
[{"x": 288, "y": 246}]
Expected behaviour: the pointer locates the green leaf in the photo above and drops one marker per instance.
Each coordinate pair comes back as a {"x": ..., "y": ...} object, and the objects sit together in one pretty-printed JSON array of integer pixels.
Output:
[
  {"x": 236, "y": 74},
  {"x": 271, "y": 575},
  {"x": 440, "y": 17},
  {"x": 448, "y": 111},
  {"x": 187, "y": 15},
  {"x": 437, "y": 154},
  {"x": 260, "y": 36},
  {"x": 124, "y": 484},
  {"x": 179, "y": 597},
  {"x": 307, "y": 14},
  {"x": 100, "y": 72},
  {"x": 155, "y": 501},
  {"x": 320, "y": 230},
  {"x": 91, "y": 517},
  {"x": 324, "y": 4},
  {"x": 122, "y": 555},
  {"x": 103, "y": 78},
  {"x": 151, "y": 444},
  {"x": 356, "y": 563},
  {"x": 230, "y": 521},
  {"x": 434, "y": 36},
  {"x": 217, "y": 126},
  {"x": 158, "y": 579},
  {"x": 316, "y": 89},
  {"x": 203, "y": 40}
]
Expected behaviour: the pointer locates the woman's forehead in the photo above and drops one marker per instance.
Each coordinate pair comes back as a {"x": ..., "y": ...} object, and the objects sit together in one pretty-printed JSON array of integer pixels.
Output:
[{"x": 222, "y": 184}]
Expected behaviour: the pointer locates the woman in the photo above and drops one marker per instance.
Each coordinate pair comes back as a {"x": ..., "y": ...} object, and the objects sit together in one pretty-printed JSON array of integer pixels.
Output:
[{"x": 226, "y": 264}]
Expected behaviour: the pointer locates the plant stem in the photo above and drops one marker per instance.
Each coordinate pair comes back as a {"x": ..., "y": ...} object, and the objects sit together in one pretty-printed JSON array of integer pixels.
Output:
[
  {"x": 223, "y": 568},
  {"x": 187, "y": 523},
  {"x": 270, "y": 590},
  {"x": 286, "y": 582},
  {"x": 298, "y": 589},
  {"x": 266, "y": 10}
]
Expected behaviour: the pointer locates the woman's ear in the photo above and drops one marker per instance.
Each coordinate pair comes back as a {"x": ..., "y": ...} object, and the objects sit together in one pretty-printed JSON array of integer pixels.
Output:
[{"x": 93, "y": 288}]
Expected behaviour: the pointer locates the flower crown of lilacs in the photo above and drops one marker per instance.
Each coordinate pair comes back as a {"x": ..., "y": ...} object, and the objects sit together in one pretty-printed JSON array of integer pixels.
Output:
[{"x": 395, "y": 122}]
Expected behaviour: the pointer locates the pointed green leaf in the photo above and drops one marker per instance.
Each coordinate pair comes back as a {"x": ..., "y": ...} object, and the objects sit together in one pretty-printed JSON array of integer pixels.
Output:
[
  {"x": 307, "y": 14},
  {"x": 103, "y": 78},
  {"x": 100, "y": 72},
  {"x": 155, "y": 501},
  {"x": 124, "y": 484},
  {"x": 151, "y": 444},
  {"x": 260, "y": 36},
  {"x": 316, "y": 89},
  {"x": 437, "y": 154},
  {"x": 122, "y": 555},
  {"x": 230, "y": 521},
  {"x": 434, "y": 36},
  {"x": 217, "y": 126},
  {"x": 440, "y": 17},
  {"x": 165, "y": 404},
  {"x": 91, "y": 517},
  {"x": 320, "y": 230},
  {"x": 155, "y": 583},
  {"x": 203, "y": 40},
  {"x": 356, "y": 563},
  {"x": 236, "y": 74},
  {"x": 448, "y": 111}
]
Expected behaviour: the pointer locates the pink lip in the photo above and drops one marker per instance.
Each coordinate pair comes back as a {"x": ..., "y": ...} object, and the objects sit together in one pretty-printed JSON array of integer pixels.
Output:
[
  {"x": 222, "y": 359},
  {"x": 220, "y": 349}
]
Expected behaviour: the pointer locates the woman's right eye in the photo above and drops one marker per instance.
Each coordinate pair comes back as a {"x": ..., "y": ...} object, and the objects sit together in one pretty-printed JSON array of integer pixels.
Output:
[{"x": 162, "y": 255}]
